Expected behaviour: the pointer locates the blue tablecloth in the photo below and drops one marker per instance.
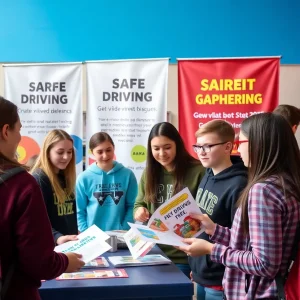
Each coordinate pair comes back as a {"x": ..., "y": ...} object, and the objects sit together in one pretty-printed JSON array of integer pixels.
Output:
[{"x": 145, "y": 282}]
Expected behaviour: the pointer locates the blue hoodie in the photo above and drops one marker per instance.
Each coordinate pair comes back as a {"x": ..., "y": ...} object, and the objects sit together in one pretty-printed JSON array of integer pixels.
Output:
[{"x": 105, "y": 199}]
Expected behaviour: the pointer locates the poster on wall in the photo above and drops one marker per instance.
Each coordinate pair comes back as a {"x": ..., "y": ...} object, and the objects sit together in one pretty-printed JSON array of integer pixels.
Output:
[
  {"x": 125, "y": 99},
  {"x": 48, "y": 96},
  {"x": 227, "y": 88}
]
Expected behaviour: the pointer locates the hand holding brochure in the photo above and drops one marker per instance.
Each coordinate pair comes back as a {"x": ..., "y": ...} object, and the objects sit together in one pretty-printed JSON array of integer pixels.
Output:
[
  {"x": 90, "y": 244},
  {"x": 168, "y": 225}
]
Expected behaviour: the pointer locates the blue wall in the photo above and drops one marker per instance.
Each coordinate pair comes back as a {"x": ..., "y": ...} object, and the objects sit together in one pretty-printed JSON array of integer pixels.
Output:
[{"x": 78, "y": 30}]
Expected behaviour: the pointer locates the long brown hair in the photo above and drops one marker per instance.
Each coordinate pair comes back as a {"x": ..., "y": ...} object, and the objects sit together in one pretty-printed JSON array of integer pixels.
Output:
[
  {"x": 8, "y": 116},
  {"x": 273, "y": 151},
  {"x": 99, "y": 138},
  {"x": 43, "y": 162},
  {"x": 154, "y": 169}
]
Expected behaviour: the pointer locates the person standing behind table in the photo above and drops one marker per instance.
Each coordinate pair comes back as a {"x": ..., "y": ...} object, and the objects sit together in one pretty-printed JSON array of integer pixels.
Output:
[
  {"x": 169, "y": 169},
  {"x": 259, "y": 244},
  {"x": 290, "y": 113},
  {"x": 55, "y": 173},
  {"x": 106, "y": 191},
  {"x": 25, "y": 230},
  {"x": 220, "y": 188}
]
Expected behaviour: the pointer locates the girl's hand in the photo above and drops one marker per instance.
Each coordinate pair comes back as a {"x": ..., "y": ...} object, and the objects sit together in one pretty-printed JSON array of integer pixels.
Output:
[
  {"x": 196, "y": 247},
  {"x": 75, "y": 262},
  {"x": 142, "y": 214},
  {"x": 66, "y": 238},
  {"x": 209, "y": 225}
]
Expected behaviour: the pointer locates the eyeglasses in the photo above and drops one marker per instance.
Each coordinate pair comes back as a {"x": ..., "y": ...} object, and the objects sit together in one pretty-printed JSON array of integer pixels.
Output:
[
  {"x": 206, "y": 148},
  {"x": 237, "y": 143}
]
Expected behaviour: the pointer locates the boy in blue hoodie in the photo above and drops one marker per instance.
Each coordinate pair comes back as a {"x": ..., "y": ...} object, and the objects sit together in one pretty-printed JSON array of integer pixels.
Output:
[
  {"x": 225, "y": 178},
  {"x": 106, "y": 191}
]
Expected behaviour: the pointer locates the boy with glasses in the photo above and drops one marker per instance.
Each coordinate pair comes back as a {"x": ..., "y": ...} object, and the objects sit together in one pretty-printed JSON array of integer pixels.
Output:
[{"x": 220, "y": 188}]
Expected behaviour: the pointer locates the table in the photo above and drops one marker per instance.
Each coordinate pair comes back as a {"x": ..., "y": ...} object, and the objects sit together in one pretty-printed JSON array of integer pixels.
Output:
[{"x": 159, "y": 282}]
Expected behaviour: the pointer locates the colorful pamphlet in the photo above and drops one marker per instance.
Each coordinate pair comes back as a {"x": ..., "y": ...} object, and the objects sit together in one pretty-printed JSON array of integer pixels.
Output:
[
  {"x": 99, "y": 262},
  {"x": 148, "y": 260},
  {"x": 136, "y": 245},
  {"x": 97, "y": 274},
  {"x": 168, "y": 225},
  {"x": 90, "y": 244}
]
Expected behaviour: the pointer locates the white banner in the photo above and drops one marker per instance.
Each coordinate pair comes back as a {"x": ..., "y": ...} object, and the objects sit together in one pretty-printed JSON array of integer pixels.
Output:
[
  {"x": 49, "y": 96},
  {"x": 125, "y": 99}
]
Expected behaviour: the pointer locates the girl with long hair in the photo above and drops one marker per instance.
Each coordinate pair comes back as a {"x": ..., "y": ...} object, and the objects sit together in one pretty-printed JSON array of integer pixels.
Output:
[
  {"x": 26, "y": 252},
  {"x": 169, "y": 169},
  {"x": 259, "y": 245},
  {"x": 54, "y": 171}
]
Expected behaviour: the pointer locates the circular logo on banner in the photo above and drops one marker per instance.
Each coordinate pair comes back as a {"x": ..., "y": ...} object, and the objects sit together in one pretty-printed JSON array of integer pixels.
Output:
[
  {"x": 27, "y": 148},
  {"x": 139, "y": 153},
  {"x": 78, "y": 148}
]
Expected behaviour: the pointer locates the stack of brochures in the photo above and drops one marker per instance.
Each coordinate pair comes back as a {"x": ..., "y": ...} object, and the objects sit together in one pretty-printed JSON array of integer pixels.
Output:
[
  {"x": 99, "y": 262},
  {"x": 148, "y": 260},
  {"x": 96, "y": 274}
]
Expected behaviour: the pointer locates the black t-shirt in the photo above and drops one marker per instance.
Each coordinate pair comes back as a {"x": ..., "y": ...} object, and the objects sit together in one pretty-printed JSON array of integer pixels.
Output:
[{"x": 62, "y": 216}]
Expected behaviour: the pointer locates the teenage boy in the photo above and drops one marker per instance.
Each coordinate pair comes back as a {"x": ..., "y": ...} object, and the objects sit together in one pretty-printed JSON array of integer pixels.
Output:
[
  {"x": 290, "y": 113},
  {"x": 220, "y": 188}
]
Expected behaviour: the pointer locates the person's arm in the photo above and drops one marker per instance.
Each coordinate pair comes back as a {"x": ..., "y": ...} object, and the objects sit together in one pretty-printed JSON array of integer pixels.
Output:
[
  {"x": 221, "y": 235},
  {"x": 129, "y": 201},
  {"x": 33, "y": 236},
  {"x": 140, "y": 199},
  {"x": 81, "y": 204},
  {"x": 264, "y": 221},
  {"x": 48, "y": 197}
]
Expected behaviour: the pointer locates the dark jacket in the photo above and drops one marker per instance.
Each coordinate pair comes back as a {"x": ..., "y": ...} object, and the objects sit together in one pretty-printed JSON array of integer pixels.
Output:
[
  {"x": 216, "y": 197},
  {"x": 26, "y": 238}
]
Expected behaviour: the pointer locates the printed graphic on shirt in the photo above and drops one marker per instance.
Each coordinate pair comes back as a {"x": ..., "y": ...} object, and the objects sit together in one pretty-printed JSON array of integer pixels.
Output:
[
  {"x": 66, "y": 208},
  {"x": 107, "y": 192},
  {"x": 161, "y": 192},
  {"x": 206, "y": 201}
]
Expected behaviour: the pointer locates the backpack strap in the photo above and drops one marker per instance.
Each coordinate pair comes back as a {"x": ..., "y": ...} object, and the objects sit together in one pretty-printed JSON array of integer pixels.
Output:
[
  {"x": 4, "y": 284},
  {"x": 280, "y": 280},
  {"x": 10, "y": 173}
]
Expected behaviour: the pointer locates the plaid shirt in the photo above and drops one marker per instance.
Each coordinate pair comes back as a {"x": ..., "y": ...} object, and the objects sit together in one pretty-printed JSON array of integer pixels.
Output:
[{"x": 272, "y": 228}]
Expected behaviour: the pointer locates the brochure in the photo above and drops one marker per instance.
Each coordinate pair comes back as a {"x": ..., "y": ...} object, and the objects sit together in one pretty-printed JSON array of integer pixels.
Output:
[
  {"x": 98, "y": 274},
  {"x": 99, "y": 262},
  {"x": 168, "y": 225},
  {"x": 91, "y": 244},
  {"x": 136, "y": 245},
  {"x": 148, "y": 260}
]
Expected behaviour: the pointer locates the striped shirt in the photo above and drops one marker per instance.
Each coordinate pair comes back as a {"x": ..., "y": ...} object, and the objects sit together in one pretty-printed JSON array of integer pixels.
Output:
[{"x": 272, "y": 228}]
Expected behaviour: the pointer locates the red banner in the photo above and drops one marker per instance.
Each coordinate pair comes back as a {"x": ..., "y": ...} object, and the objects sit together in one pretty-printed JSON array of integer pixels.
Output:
[{"x": 229, "y": 89}]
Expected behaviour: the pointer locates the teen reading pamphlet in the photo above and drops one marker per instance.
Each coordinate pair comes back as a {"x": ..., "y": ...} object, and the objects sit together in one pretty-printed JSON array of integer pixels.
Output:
[{"x": 168, "y": 225}]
